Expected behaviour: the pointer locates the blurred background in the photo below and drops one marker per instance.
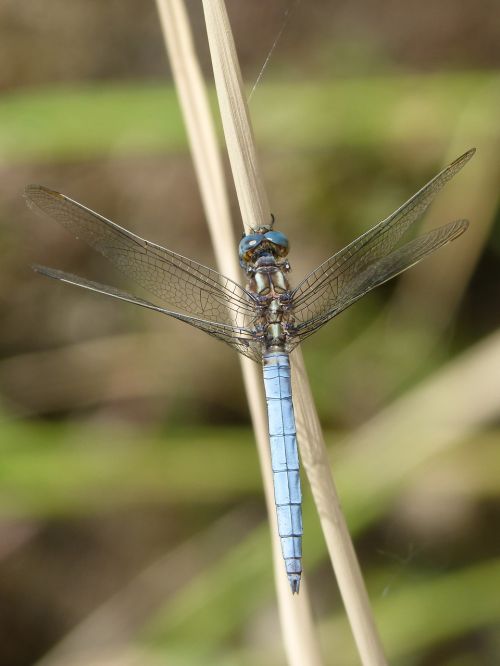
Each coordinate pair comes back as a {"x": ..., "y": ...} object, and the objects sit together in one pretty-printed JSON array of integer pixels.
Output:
[{"x": 132, "y": 521}]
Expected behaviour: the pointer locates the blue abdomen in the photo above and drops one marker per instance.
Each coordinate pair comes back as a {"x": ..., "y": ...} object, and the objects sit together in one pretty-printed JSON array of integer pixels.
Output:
[{"x": 285, "y": 461}]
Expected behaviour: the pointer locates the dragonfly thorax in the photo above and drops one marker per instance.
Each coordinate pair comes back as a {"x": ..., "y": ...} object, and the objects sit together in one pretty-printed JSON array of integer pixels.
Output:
[
  {"x": 268, "y": 279},
  {"x": 263, "y": 258}
]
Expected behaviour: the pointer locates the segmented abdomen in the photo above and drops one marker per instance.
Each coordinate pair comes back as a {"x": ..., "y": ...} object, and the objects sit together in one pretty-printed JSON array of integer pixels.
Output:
[{"x": 285, "y": 461}]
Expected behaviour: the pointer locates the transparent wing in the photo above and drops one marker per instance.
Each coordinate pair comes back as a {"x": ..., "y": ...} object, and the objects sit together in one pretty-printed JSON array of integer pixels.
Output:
[
  {"x": 383, "y": 270},
  {"x": 241, "y": 339},
  {"x": 323, "y": 290},
  {"x": 179, "y": 282}
]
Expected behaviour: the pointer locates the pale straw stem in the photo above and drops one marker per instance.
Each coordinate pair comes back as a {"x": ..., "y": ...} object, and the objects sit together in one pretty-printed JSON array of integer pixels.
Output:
[
  {"x": 338, "y": 540},
  {"x": 300, "y": 639},
  {"x": 238, "y": 131},
  {"x": 255, "y": 211}
]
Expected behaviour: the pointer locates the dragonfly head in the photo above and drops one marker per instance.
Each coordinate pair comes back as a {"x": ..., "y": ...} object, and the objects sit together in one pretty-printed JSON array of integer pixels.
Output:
[{"x": 263, "y": 243}]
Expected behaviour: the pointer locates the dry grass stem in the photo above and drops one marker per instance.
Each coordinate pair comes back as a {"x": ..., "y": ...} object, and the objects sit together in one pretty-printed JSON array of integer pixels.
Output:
[
  {"x": 457, "y": 401},
  {"x": 238, "y": 131},
  {"x": 296, "y": 619},
  {"x": 314, "y": 456},
  {"x": 255, "y": 211}
]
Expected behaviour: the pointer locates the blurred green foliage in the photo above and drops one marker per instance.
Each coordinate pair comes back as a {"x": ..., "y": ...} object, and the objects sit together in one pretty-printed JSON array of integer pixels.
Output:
[
  {"x": 64, "y": 123},
  {"x": 60, "y": 472}
]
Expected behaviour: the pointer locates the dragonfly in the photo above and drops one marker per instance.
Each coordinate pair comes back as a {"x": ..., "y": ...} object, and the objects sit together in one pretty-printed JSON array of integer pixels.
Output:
[{"x": 266, "y": 319}]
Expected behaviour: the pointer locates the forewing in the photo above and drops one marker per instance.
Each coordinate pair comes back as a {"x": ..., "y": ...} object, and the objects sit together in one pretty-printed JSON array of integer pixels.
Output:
[
  {"x": 179, "y": 282},
  {"x": 385, "y": 269},
  {"x": 323, "y": 289},
  {"x": 240, "y": 339}
]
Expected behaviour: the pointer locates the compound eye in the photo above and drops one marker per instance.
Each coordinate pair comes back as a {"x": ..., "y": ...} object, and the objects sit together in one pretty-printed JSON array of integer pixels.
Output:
[
  {"x": 279, "y": 239},
  {"x": 249, "y": 243}
]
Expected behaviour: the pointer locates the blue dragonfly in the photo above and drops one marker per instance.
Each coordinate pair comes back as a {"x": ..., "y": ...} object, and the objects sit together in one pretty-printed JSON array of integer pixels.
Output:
[{"x": 266, "y": 320}]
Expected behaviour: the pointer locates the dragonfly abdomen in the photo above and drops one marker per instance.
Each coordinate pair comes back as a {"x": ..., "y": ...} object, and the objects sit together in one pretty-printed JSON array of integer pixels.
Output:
[{"x": 285, "y": 461}]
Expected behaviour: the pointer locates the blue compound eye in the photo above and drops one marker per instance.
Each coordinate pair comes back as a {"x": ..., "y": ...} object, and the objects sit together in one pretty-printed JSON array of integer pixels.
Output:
[
  {"x": 279, "y": 239},
  {"x": 249, "y": 243}
]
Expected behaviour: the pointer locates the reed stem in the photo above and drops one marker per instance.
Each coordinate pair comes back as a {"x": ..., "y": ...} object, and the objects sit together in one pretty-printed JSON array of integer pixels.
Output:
[
  {"x": 301, "y": 643},
  {"x": 255, "y": 212}
]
